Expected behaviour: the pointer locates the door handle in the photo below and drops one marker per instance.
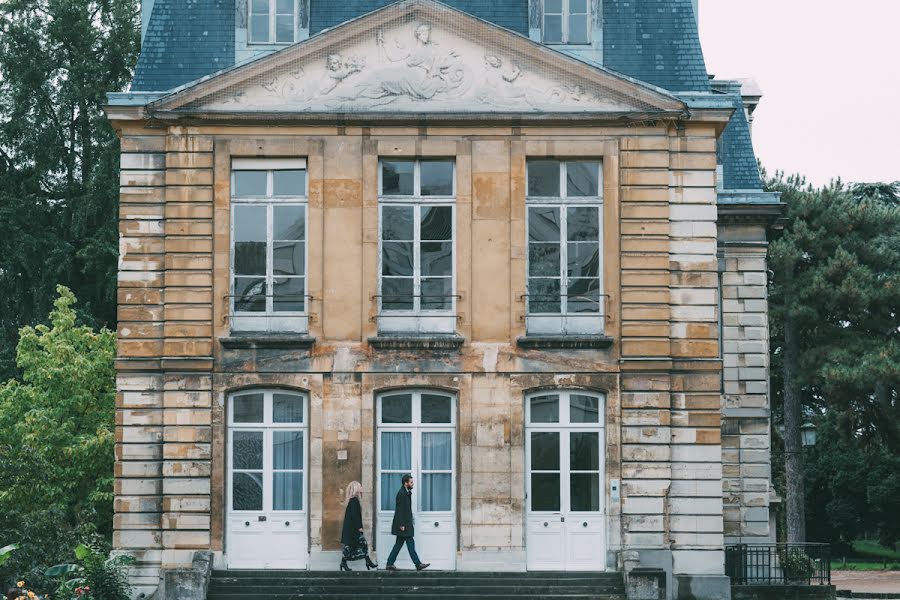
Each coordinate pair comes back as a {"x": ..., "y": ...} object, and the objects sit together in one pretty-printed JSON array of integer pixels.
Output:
[
  {"x": 436, "y": 524},
  {"x": 545, "y": 523},
  {"x": 584, "y": 524},
  {"x": 288, "y": 524},
  {"x": 261, "y": 518},
  {"x": 246, "y": 523},
  {"x": 562, "y": 519}
]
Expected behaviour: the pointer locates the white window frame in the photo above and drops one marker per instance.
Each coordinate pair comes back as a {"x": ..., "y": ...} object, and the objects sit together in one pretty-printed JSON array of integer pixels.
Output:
[
  {"x": 269, "y": 320},
  {"x": 271, "y": 39},
  {"x": 564, "y": 322},
  {"x": 417, "y": 320},
  {"x": 267, "y": 427},
  {"x": 416, "y": 428},
  {"x": 565, "y": 24}
]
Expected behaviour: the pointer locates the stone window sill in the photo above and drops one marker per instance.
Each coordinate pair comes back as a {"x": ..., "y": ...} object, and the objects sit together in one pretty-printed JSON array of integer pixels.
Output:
[
  {"x": 287, "y": 341},
  {"x": 569, "y": 342},
  {"x": 417, "y": 341}
]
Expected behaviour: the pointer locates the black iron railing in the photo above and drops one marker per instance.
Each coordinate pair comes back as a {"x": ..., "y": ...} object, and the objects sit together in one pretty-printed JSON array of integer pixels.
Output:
[{"x": 778, "y": 564}]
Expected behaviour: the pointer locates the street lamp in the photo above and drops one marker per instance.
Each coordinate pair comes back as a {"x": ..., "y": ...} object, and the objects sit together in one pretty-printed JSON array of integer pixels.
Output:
[{"x": 808, "y": 434}]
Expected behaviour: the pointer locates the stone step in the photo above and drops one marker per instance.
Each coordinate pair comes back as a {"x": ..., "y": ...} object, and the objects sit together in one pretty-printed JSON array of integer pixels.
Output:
[{"x": 362, "y": 593}]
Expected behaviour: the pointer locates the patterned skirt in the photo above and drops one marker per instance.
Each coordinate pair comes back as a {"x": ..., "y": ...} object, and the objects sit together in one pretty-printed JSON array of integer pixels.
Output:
[{"x": 358, "y": 551}]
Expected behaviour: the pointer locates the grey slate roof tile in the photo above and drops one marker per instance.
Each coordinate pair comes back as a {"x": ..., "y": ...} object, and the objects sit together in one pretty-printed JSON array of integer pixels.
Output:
[
  {"x": 735, "y": 152},
  {"x": 186, "y": 39}
]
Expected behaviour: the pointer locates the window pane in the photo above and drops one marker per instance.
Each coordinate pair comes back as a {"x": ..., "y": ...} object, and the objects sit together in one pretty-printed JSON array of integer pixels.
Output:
[
  {"x": 289, "y": 182},
  {"x": 436, "y": 178},
  {"x": 246, "y": 491},
  {"x": 259, "y": 28},
  {"x": 287, "y": 491},
  {"x": 397, "y": 294},
  {"x": 435, "y": 408},
  {"x": 396, "y": 448},
  {"x": 250, "y": 183},
  {"x": 577, "y": 6},
  {"x": 578, "y": 31},
  {"x": 249, "y": 294},
  {"x": 288, "y": 258},
  {"x": 249, "y": 223},
  {"x": 248, "y": 408},
  {"x": 397, "y": 258},
  {"x": 284, "y": 29},
  {"x": 436, "y": 491},
  {"x": 543, "y": 224},
  {"x": 247, "y": 450},
  {"x": 584, "y": 491},
  {"x": 437, "y": 223},
  {"x": 437, "y": 293},
  {"x": 397, "y": 177},
  {"x": 582, "y": 177},
  {"x": 584, "y": 451},
  {"x": 437, "y": 451},
  {"x": 545, "y": 408},
  {"x": 543, "y": 176},
  {"x": 289, "y": 223},
  {"x": 437, "y": 258},
  {"x": 584, "y": 296},
  {"x": 552, "y": 6},
  {"x": 287, "y": 450},
  {"x": 584, "y": 259},
  {"x": 583, "y": 224},
  {"x": 287, "y": 408},
  {"x": 584, "y": 409},
  {"x": 397, "y": 223},
  {"x": 260, "y": 6},
  {"x": 543, "y": 296},
  {"x": 250, "y": 258},
  {"x": 390, "y": 485},
  {"x": 545, "y": 451},
  {"x": 289, "y": 294},
  {"x": 543, "y": 259},
  {"x": 545, "y": 491},
  {"x": 396, "y": 409},
  {"x": 284, "y": 7}
]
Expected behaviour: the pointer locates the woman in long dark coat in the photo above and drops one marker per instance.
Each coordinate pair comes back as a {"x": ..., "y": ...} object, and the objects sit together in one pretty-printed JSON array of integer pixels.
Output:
[{"x": 352, "y": 538}]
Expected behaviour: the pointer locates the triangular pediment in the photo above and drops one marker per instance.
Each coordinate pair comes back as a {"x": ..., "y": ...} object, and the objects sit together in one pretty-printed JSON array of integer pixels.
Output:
[{"x": 417, "y": 57}]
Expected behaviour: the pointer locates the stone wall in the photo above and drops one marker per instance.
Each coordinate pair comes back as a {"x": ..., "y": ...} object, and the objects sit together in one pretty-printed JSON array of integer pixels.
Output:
[{"x": 661, "y": 375}]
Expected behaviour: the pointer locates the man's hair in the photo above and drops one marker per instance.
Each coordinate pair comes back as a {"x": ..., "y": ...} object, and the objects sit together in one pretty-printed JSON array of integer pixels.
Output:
[{"x": 405, "y": 478}]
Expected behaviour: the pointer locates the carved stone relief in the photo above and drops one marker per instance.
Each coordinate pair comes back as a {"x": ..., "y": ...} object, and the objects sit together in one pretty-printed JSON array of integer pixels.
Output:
[{"x": 413, "y": 68}]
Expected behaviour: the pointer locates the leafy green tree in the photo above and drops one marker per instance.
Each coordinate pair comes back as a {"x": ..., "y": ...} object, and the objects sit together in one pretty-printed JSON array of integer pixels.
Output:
[
  {"x": 57, "y": 448},
  {"x": 834, "y": 305},
  {"x": 59, "y": 156}
]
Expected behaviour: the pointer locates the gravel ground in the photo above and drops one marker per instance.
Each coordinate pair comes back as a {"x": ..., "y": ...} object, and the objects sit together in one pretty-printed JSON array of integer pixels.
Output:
[{"x": 867, "y": 581}]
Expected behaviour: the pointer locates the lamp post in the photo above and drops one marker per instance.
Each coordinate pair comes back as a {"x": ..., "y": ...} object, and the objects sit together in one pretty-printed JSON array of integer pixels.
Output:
[{"x": 808, "y": 434}]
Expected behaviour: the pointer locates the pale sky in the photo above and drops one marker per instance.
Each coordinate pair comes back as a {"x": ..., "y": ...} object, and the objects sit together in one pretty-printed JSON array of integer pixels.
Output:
[{"x": 830, "y": 74}]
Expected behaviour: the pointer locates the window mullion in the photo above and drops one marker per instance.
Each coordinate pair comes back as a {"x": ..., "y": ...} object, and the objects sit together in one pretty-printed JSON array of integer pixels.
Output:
[
  {"x": 270, "y": 259},
  {"x": 272, "y": 10},
  {"x": 417, "y": 258},
  {"x": 565, "y": 27}
]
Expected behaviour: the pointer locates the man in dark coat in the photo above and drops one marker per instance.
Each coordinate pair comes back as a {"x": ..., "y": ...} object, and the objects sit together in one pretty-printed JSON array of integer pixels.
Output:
[{"x": 402, "y": 527}]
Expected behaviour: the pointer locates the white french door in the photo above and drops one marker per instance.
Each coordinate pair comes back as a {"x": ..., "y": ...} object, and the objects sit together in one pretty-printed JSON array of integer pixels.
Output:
[
  {"x": 565, "y": 454},
  {"x": 417, "y": 435},
  {"x": 267, "y": 483}
]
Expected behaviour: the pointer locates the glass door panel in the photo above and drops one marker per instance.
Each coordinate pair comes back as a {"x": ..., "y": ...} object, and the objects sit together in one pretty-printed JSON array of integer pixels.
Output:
[
  {"x": 287, "y": 470},
  {"x": 584, "y": 471},
  {"x": 545, "y": 471},
  {"x": 396, "y": 460},
  {"x": 437, "y": 471}
]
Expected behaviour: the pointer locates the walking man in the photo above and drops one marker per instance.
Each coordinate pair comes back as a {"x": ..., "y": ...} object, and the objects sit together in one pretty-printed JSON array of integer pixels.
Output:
[{"x": 402, "y": 526}]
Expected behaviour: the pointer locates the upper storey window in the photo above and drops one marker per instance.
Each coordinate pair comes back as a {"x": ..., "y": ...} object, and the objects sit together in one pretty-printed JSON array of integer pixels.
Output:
[
  {"x": 272, "y": 21},
  {"x": 566, "y": 21},
  {"x": 268, "y": 253},
  {"x": 565, "y": 233},
  {"x": 416, "y": 204}
]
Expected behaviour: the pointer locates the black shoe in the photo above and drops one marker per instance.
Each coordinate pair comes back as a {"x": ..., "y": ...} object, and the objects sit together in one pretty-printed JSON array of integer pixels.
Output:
[
  {"x": 422, "y": 566},
  {"x": 344, "y": 566},
  {"x": 370, "y": 564},
  {"x": 390, "y": 568}
]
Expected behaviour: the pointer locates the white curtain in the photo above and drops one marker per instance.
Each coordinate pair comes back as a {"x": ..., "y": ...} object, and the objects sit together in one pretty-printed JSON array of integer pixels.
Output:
[
  {"x": 436, "y": 456},
  {"x": 287, "y": 487},
  {"x": 396, "y": 459}
]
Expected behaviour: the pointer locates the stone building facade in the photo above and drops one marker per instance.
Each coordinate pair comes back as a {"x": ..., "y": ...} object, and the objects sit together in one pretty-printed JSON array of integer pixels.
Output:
[{"x": 421, "y": 240}]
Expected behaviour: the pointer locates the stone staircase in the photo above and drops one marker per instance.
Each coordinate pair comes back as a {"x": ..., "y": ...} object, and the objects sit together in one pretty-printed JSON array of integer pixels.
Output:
[{"x": 425, "y": 585}]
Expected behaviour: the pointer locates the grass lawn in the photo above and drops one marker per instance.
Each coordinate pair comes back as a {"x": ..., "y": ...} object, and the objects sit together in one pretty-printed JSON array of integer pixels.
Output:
[
  {"x": 869, "y": 556},
  {"x": 853, "y": 565},
  {"x": 875, "y": 550}
]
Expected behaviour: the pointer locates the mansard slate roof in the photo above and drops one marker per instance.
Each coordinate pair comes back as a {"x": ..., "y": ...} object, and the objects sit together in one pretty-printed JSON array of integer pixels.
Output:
[{"x": 655, "y": 41}]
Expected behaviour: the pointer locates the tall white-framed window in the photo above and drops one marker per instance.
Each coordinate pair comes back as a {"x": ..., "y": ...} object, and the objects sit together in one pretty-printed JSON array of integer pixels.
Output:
[
  {"x": 416, "y": 265},
  {"x": 565, "y": 236},
  {"x": 566, "y": 22},
  {"x": 271, "y": 21},
  {"x": 268, "y": 248}
]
